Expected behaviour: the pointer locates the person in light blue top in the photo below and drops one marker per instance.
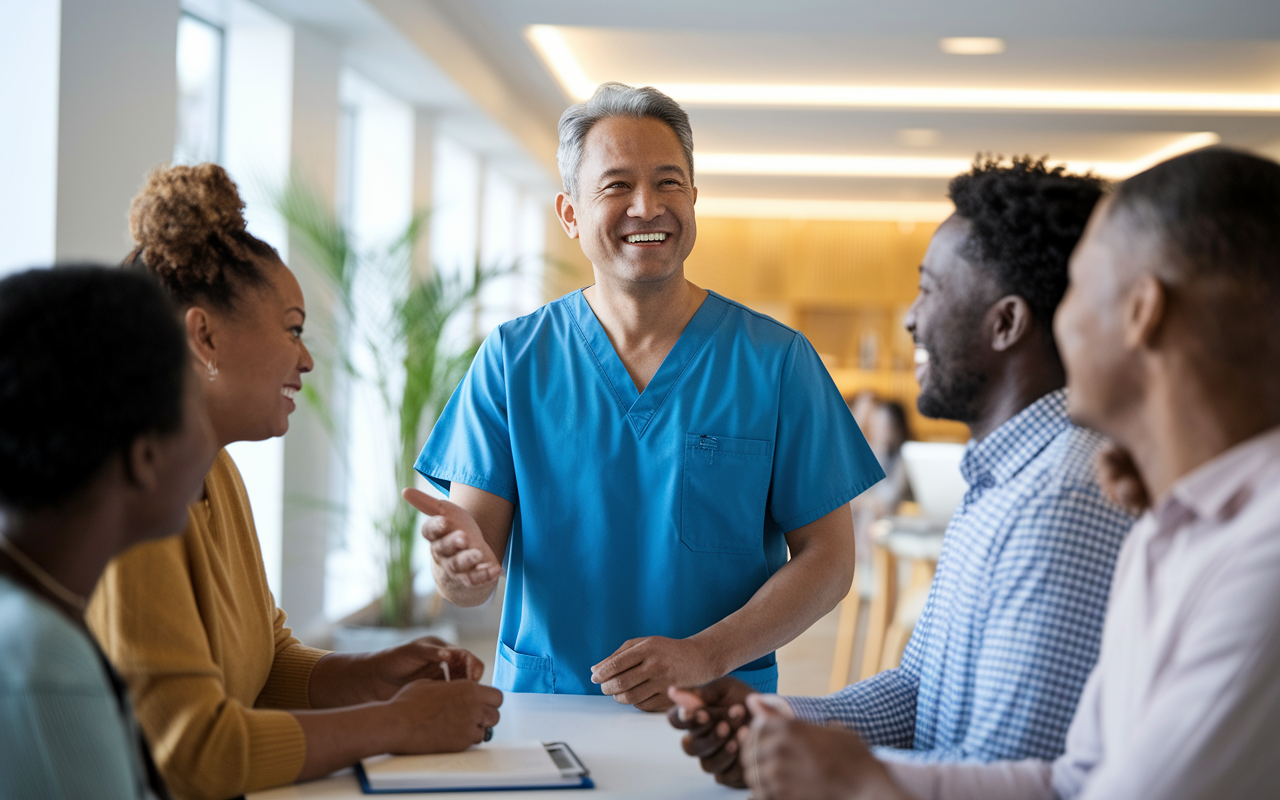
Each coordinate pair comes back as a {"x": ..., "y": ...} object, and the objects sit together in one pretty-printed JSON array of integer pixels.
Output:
[
  {"x": 93, "y": 459},
  {"x": 641, "y": 455}
]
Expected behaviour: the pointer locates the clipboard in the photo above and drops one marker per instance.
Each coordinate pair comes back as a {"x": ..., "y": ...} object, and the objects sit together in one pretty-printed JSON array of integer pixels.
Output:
[{"x": 573, "y": 775}]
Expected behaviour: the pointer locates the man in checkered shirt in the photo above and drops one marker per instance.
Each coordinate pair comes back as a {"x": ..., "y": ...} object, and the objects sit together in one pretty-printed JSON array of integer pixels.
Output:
[{"x": 1012, "y": 624}]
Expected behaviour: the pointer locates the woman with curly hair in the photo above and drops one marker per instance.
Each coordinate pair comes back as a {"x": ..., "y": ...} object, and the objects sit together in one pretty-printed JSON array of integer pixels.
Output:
[{"x": 230, "y": 700}]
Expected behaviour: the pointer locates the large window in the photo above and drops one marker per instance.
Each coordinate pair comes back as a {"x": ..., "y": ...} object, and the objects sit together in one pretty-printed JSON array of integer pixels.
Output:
[
  {"x": 375, "y": 202},
  {"x": 200, "y": 60}
]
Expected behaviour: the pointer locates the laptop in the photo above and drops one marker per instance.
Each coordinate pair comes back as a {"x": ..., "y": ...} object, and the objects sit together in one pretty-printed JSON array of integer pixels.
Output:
[{"x": 933, "y": 470}]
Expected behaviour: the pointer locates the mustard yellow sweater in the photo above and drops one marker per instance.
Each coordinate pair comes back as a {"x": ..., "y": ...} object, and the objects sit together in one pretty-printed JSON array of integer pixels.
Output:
[{"x": 191, "y": 625}]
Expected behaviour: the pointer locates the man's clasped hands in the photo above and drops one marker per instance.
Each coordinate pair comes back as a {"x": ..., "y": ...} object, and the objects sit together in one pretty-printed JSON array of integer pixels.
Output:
[{"x": 748, "y": 739}]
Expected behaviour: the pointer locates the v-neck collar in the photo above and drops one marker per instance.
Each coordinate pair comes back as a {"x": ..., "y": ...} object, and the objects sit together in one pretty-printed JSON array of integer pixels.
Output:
[{"x": 640, "y": 407}]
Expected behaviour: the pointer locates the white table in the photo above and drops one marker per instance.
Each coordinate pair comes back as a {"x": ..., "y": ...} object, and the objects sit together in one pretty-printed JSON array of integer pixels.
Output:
[{"x": 631, "y": 754}]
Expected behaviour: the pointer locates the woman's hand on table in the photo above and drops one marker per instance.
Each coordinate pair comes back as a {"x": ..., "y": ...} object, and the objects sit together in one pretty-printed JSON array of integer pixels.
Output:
[
  {"x": 640, "y": 671},
  {"x": 423, "y": 716},
  {"x": 785, "y": 759},
  {"x": 439, "y": 717},
  {"x": 347, "y": 679},
  {"x": 712, "y": 714},
  {"x": 458, "y": 547},
  {"x": 421, "y": 659}
]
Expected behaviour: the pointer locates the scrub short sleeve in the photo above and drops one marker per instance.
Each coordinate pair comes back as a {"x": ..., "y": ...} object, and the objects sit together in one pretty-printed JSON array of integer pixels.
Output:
[
  {"x": 471, "y": 442},
  {"x": 821, "y": 460}
]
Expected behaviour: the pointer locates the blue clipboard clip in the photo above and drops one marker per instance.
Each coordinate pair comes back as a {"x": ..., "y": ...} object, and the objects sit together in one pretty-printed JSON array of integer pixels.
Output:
[{"x": 567, "y": 760}]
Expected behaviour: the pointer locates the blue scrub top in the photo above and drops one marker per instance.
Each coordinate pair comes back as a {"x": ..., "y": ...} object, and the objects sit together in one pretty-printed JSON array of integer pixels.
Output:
[{"x": 642, "y": 514}]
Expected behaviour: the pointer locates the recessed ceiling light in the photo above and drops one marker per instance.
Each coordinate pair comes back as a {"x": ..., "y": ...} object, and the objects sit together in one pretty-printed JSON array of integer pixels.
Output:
[
  {"x": 971, "y": 45},
  {"x": 919, "y": 137},
  {"x": 913, "y": 167}
]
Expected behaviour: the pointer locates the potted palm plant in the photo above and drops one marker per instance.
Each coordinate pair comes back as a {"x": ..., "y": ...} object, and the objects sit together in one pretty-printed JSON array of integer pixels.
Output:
[{"x": 392, "y": 334}]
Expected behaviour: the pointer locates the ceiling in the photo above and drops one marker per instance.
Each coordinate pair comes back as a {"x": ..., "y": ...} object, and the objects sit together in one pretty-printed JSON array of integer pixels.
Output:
[{"x": 1225, "y": 48}]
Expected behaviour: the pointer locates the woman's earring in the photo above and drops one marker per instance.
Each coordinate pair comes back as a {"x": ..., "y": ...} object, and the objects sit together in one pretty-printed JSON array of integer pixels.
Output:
[{"x": 212, "y": 369}]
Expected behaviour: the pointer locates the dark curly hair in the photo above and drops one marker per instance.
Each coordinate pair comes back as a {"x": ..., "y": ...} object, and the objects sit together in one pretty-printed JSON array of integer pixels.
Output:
[
  {"x": 91, "y": 358},
  {"x": 1025, "y": 219},
  {"x": 188, "y": 223}
]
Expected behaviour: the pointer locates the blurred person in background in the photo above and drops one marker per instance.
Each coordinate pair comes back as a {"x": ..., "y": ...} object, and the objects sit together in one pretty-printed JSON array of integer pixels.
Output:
[
  {"x": 1170, "y": 343},
  {"x": 887, "y": 430},
  {"x": 231, "y": 701},
  {"x": 860, "y": 406},
  {"x": 104, "y": 442},
  {"x": 1013, "y": 619}
]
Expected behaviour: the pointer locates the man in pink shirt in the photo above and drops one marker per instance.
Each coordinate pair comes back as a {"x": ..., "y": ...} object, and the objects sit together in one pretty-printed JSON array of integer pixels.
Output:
[{"x": 1170, "y": 350}]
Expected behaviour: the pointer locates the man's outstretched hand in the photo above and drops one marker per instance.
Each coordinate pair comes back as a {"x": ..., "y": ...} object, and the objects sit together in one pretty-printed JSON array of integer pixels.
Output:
[
  {"x": 785, "y": 759},
  {"x": 465, "y": 560},
  {"x": 712, "y": 715}
]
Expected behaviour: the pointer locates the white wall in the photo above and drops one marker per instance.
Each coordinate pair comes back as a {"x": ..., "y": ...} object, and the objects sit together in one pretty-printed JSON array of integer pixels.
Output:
[
  {"x": 30, "y": 44},
  {"x": 117, "y": 108},
  {"x": 89, "y": 92}
]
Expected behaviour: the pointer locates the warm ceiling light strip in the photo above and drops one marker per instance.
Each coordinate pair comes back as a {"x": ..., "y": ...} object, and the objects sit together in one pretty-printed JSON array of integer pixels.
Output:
[
  {"x": 867, "y": 210},
  {"x": 902, "y": 167},
  {"x": 563, "y": 63},
  {"x": 805, "y": 164},
  {"x": 559, "y": 58},
  {"x": 977, "y": 98}
]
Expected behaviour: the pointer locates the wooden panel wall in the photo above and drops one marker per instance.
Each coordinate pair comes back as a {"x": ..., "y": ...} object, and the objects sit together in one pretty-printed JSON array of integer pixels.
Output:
[{"x": 846, "y": 285}]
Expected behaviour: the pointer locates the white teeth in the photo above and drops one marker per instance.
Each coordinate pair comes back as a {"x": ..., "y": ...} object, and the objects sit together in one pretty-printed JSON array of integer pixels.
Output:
[
  {"x": 646, "y": 237},
  {"x": 922, "y": 355},
  {"x": 289, "y": 392}
]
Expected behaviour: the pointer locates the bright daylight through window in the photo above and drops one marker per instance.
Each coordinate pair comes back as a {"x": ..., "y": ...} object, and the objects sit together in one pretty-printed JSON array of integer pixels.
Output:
[{"x": 200, "y": 51}]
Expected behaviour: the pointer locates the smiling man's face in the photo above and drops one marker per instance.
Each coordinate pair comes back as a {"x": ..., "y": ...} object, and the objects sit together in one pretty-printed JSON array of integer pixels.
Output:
[
  {"x": 634, "y": 209},
  {"x": 946, "y": 320}
]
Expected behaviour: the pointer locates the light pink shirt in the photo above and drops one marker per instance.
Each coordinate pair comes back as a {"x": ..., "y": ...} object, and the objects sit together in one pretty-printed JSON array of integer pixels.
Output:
[{"x": 1184, "y": 702}]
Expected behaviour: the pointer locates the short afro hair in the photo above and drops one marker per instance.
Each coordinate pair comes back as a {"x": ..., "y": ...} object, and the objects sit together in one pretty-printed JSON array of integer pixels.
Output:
[
  {"x": 91, "y": 358},
  {"x": 1025, "y": 220}
]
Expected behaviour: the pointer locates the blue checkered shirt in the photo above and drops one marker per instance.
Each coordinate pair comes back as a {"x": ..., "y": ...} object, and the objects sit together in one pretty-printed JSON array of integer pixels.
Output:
[{"x": 1013, "y": 620}]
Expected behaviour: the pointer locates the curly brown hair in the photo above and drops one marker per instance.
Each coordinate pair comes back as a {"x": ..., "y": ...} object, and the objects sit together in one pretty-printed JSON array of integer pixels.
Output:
[{"x": 188, "y": 223}]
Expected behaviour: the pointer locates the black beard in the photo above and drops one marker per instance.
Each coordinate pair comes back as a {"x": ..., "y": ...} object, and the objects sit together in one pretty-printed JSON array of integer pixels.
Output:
[{"x": 951, "y": 393}]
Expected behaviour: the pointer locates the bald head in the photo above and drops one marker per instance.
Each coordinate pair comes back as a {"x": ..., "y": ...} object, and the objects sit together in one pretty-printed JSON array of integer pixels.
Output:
[
  {"x": 1207, "y": 225},
  {"x": 1173, "y": 288}
]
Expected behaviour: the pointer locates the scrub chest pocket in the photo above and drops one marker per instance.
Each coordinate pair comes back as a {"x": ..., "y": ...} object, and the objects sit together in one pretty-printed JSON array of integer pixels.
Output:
[{"x": 725, "y": 486}]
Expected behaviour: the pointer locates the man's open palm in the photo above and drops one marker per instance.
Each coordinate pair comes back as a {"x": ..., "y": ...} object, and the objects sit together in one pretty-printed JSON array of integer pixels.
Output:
[{"x": 457, "y": 545}]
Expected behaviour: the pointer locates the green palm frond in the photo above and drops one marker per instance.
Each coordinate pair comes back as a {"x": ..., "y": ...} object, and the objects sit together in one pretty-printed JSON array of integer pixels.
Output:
[{"x": 413, "y": 366}]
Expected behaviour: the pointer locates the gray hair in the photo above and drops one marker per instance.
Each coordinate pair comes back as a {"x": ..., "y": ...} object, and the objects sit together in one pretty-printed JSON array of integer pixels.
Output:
[{"x": 616, "y": 100}]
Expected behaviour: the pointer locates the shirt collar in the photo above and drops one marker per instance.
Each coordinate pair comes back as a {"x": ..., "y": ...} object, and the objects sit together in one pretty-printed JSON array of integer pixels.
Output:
[
  {"x": 1220, "y": 487},
  {"x": 1007, "y": 449}
]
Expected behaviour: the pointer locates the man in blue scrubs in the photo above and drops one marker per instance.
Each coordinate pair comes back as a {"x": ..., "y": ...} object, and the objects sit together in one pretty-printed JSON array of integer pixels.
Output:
[{"x": 642, "y": 454}]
